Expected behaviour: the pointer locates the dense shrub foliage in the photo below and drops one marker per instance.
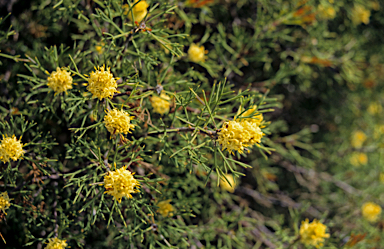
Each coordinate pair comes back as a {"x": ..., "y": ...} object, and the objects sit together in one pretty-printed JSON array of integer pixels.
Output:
[{"x": 191, "y": 124}]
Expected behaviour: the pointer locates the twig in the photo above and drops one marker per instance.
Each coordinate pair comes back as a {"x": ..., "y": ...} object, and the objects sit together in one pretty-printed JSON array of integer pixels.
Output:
[{"x": 183, "y": 129}]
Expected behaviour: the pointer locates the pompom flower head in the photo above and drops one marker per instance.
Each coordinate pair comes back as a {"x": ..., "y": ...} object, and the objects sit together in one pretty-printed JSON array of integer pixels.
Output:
[
  {"x": 101, "y": 83},
  {"x": 360, "y": 15},
  {"x": 121, "y": 183},
  {"x": 196, "y": 54},
  {"x": 358, "y": 159},
  {"x": 230, "y": 187},
  {"x": 251, "y": 115},
  {"x": 161, "y": 104},
  {"x": 165, "y": 208},
  {"x": 358, "y": 139},
  {"x": 11, "y": 148},
  {"x": 371, "y": 211},
  {"x": 60, "y": 81},
  {"x": 236, "y": 136},
  {"x": 139, "y": 10},
  {"x": 118, "y": 121},
  {"x": 313, "y": 233},
  {"x": 56, "y": 243},
  {"x": 4, "y": 202}
]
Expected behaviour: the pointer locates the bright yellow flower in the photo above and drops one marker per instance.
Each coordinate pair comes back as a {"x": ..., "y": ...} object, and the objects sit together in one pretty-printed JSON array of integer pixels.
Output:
[
  {"x": 60, "y": 81},
  {"x": 236, "y": 136},
  {"x": 101, "y": 83},
  {"x": 358, "y": 139},
  {"x": 56, "y": 243},
  {"x": 165, "y": 208},
  {"x": 225, "y": 185},
  {"x": 252, "y": 116},
  {"x": 327, "y": 12},
  {"x": 100, "y": 47},
  {"x": 371, "y": 211},
  {"x": 121, "y": 183},
  {"x": 358, "y": 159},
  {"x": 118, "y": 121},
  {"x": 374, "y": 108},
  {"x": 313, "y": 233},
  {"x": 161, "y": 104},
  {"x": 139, "y": 10},
  {"x": 360, "y": 15},
  {"x": 196, "y": 54},
  {"x": 4, "y": 202},
  {"x": 10, "y": 148}
]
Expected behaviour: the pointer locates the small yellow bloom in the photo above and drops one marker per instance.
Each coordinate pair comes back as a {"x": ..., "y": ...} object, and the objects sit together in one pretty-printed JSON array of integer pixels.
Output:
[
  {"x": 60, "y": 81},
  {"x": 313, "y": 233},
  {"x": 358, "y": 159},
  {"x": 4, "y": 202},
  {"x": 236, "y": 136},
  {"x": 252, "y": 116},
  {"x": 382, "y": 177},
  {"x": 358, "y": 139},
  {"x": 56, "y": 243},
  {"x": 10, "y": 148},
  {"x": 139, "y": 10},
  {"x": 374, "y": 108},
  {"x": 225, "y": 185},
  {"x": 165, "y": 208},
  {"x": 161, "y": 104},
  {"x": 327, "y": 12},
  {"x": 101, "y": 83},
  {"x": 118, "y": 121},
  {"x": 196, "y": 54},
  {"x": 360, "y": 15},
  {"x": 121, "y": 183},
  {"x": 100, "y": 47},
  {"x": 378, "y": 131},
  {"x": 371, "y": 211}
]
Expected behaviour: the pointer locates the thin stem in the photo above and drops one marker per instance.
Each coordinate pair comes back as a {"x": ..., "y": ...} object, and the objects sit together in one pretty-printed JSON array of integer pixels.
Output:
[{"x": 184, "y": 129}]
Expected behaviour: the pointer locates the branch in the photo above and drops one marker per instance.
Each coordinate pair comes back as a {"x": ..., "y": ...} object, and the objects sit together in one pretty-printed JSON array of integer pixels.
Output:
[{"x": 183, "y": 129}]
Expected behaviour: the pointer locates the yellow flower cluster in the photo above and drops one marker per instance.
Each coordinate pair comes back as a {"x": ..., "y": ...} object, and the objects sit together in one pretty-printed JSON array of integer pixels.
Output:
[
  {"x": 374, "y": 108},
  {"x": 161, "y": 104},
  {"x": 358, "y": 139},
  {"x": 371, "y": 211},
  {"x": 56, "y": 243},
  {"x": 358, "y": 159},
  {"x": 241, "y": 133},
  {"x": 226, "y": 186},
  {"x": 196, "y": 54},
  {"x": 4, "y": 202},
  {"x": 326, "y": 12},
  {"x": 101, "y": 83},
  {"x": 118, "y": 121},
  {"x": 139, "y": 10},
  {"x": 60, "y": 81},
  {"x": 313, "y": 233},
  {"x": 120, "y": 183},
  {"x": 360, "y": 15},
  {"x": 10, "y": 148},
  {"x": 165, "y": 208}
]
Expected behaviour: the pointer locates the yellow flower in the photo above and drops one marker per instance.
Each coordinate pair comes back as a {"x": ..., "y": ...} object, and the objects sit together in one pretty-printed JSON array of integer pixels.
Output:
[
  {"x": 252, "y": 116},
  {"x": 165, "y": 208},
  {"x": 358, "y": 138},
  {"x": 371, "y": 211},
  {"x": 101, "y": 83},
  {"x": 236, "y": 136},
  {"x": 117, "y": 121},
  {"x": 60, "y": 81},
  {"x": 196, "y": 54},
  {"x": 10, "y": 148},
  {"x": 56, "y": 243},
  {"x": 327, "y": 12},
  {"x": 360, "y": 15},
  {"x": 139, "y": 10},
  {"x": 375, "y": 108},
  {"x": 358, "y": 159},
  {"x": 100, "y": 47},
  {"x": 4, "y": 202},
  {"x": 120, "y": 183},
  {"x": 378, "y": 131},
  {"x": 161, "y": 104},
  {"x": 313, "y": 233},
  {"x": 225, "y": 185}
]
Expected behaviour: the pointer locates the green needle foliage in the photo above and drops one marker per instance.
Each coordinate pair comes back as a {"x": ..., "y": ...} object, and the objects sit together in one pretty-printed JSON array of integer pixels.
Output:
[{"x": 148, "y": 92}]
